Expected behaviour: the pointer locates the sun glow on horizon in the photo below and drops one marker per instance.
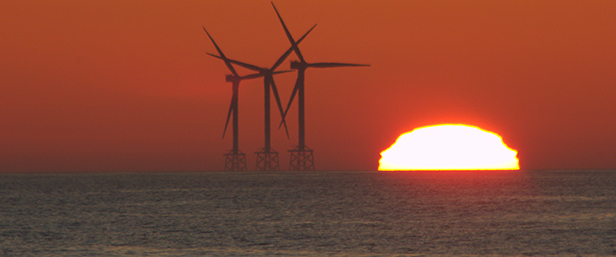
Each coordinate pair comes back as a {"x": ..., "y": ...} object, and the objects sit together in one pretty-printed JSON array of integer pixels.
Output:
[{"x": 449, "y": 147}]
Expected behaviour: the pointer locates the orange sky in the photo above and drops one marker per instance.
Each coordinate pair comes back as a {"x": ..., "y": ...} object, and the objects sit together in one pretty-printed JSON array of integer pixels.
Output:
[{"x": 127, "y": 86}]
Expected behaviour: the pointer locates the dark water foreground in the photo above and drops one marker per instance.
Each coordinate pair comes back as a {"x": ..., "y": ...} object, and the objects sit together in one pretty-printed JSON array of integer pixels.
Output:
[{"x": 306, "y": 214}]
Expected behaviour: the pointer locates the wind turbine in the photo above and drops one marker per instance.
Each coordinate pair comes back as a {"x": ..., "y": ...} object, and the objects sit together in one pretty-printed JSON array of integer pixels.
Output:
[
  {"x": 267, "y": 158},
  {"x": 235, "y": 160},
  {"x": 301, "y": 156}
]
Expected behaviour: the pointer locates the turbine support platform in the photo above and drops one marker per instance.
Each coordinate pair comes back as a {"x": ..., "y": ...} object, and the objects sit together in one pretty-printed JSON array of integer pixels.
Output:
[
  {"x": 267, "y": 160},
  {"x": 301, "y": 159},
  {"x": 235, "y": 161}
]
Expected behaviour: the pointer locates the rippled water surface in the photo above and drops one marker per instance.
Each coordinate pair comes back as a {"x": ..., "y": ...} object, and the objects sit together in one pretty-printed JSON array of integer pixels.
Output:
[{"x": 306, "y": 214}]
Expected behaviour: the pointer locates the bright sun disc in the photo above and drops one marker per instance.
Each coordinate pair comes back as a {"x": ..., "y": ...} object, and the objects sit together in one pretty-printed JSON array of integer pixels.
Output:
[{"x": 449, "y": 147}]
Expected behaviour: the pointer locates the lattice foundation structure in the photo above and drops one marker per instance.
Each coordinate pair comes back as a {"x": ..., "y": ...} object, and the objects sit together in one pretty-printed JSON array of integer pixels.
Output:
[
  {"x": 235, "y": 161},
  {"x": 301, "y": 160},
  {"x": 267, "y": 160}
]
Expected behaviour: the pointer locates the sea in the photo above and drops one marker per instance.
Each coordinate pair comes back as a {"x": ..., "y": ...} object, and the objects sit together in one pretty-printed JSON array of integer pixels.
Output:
[{"x": 320, "y": 213}]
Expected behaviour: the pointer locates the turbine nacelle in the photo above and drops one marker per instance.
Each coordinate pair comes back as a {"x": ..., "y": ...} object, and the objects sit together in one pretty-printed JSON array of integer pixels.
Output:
[
  {"x": 296, "y": 65},
  {"x": 232, "y": 78}
]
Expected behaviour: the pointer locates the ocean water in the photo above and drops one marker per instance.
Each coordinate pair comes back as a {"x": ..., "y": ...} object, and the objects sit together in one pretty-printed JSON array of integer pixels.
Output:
[{"x": 498, "y": 213}]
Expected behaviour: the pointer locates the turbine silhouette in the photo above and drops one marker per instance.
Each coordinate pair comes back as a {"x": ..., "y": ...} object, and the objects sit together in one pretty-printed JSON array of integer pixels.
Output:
[
  {"x": 301, "y": 156},
  {"x": 235, "y": 160},
  {"x": 267, "y": 158}
]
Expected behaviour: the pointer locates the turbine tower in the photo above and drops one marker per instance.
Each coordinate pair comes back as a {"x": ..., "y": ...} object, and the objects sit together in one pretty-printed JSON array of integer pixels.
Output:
[
  {"x": 267, "y": 158},
  {"x": 302, "y": 157},
  {"x": 235, "y": 160}
]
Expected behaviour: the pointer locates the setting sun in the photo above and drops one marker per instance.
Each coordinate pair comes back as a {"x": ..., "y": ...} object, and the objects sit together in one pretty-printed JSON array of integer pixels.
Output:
[{"x": 449, "y": 147}]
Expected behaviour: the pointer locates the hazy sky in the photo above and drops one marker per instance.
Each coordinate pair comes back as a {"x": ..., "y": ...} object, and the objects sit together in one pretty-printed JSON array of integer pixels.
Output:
[{"x": 127, "y": 85}]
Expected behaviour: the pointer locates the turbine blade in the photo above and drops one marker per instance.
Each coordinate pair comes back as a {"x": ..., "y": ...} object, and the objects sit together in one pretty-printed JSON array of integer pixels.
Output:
[
  {"x": 221, "y": 54},
  {"x": 283, "y": 71},
  {"x": 228, "y": 118},
  {"x": 252, "y": 76},
  {"x": 286, "y": 31},
  {"x": 295, "y": 89},
  {"x": 243, "y": 64},
  {"x": 335, "y": 64},
  {"x": 306, "y": 34},
  {"x": 282, "y": 58},
  {"x": 291, "y": 49},
  {"x": 277, "y": 97}
]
